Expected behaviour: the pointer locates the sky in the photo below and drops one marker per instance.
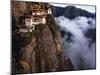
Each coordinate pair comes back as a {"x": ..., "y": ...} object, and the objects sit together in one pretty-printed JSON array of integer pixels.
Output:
[{"x": 85, "y": 7}]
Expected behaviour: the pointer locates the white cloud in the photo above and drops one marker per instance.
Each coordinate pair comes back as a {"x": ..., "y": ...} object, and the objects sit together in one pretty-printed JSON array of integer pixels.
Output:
[{"x": 78, "y": 50}]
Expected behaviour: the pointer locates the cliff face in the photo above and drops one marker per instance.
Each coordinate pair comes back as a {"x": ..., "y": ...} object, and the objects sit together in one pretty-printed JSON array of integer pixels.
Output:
[{"x": 39, "y": 50}]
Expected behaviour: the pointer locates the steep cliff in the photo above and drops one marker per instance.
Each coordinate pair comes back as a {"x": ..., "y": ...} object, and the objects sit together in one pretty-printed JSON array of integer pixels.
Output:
[{"x": 37, "y": 51}]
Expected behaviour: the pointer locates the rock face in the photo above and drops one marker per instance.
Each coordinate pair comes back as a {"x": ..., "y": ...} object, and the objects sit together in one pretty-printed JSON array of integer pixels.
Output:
[{"x": 37, "y": 51}]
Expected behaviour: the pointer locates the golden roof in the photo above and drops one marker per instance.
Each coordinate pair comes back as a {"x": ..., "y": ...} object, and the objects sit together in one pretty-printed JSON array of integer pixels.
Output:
[{"x": 39, "y": 7}]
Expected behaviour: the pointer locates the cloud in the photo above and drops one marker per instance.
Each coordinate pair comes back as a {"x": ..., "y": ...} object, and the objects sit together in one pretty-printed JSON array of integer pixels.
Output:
[{"x": 78, "y": 50}]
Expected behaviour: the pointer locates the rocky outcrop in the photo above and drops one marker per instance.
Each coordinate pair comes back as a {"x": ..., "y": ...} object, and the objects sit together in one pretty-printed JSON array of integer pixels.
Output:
[{"x": 38, "y": 51}]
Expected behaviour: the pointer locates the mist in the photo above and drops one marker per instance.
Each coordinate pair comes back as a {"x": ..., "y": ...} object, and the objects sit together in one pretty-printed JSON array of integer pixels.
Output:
[{"x": 78, "y": 40}]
